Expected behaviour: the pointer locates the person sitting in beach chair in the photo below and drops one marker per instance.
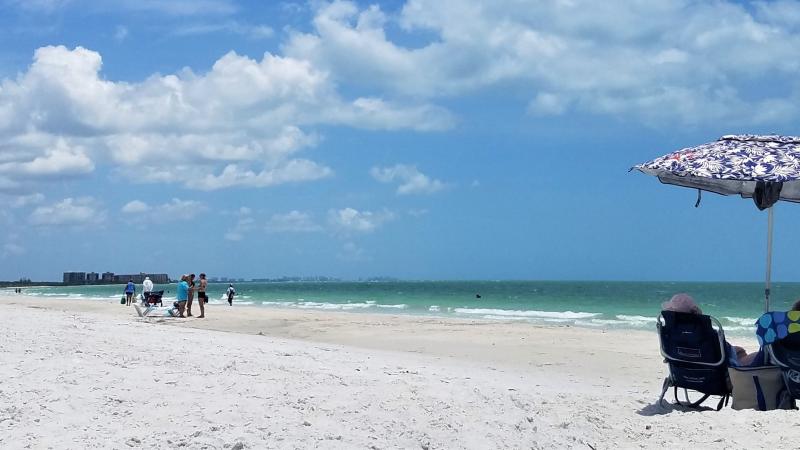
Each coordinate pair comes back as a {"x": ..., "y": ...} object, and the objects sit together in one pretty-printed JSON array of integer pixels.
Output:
[
  {"x": 697, "y": 354},
  {"x": 779, "y": 334}
]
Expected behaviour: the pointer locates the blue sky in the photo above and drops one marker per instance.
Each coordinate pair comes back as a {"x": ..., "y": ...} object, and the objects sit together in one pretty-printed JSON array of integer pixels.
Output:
[{"x": 417, "y": 139}]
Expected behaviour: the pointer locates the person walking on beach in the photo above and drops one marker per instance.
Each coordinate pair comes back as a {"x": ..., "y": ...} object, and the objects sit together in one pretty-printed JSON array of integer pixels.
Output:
[
  {"x": 231, "y": 292},
  {"x": 202, "y": 298},
  {"x": 190, "y": 280},
  {"x": 182, "y": 294},
  {"x": 130, "y": 289},
  {"x": 147, "y": 287}
]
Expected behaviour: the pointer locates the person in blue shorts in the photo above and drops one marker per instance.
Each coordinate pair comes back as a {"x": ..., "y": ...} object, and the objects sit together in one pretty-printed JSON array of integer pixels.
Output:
[{"x": 130, "y": 289}]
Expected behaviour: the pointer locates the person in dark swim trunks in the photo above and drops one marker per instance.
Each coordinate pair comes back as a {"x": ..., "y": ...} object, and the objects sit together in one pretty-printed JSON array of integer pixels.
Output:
[
  {"x": 202, "y": 298},
  {"x": 192, "y": 288}
]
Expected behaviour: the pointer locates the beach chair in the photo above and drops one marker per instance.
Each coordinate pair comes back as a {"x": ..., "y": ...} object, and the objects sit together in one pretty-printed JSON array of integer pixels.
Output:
[
  {"x": 153, "y": 298},
  {"x": 696, "y": 355},
  {"x": 779, "y": 334},
  {"x": 785, "y": 353}
]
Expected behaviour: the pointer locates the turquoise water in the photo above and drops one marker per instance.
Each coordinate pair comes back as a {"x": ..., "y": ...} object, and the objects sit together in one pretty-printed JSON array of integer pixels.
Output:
[{"x": 580, "y": 303}]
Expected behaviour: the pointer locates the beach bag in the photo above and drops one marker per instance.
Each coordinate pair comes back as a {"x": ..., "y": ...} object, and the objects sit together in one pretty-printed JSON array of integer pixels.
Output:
[
  {"x": 760, "y": 388},
  {"x": 123, "y": 301}
]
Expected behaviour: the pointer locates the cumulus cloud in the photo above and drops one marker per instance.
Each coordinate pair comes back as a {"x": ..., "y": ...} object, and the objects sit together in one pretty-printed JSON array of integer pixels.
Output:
[
  {"x": 349, "y": 220},
  {"x": 135, "y": 207},
  {"x": 242, "y": 123},
  {"x": 411, "y": 180},
  {"x": 292, "y": 222},
  {"x": 674, "y": 61},
  {"x": 68, "y": 212},
  {"x": 175, "y": 209},
  {"x": 296, "y": 170}
]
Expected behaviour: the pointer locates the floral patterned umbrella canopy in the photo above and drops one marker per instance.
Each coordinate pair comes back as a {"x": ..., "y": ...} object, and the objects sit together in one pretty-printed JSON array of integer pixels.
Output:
[
  {"x": 733, "y": 164},
  {"x": 764, "y": 168}
]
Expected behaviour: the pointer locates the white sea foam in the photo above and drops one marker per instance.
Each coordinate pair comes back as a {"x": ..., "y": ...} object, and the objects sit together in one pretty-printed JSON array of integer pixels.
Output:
[
  {"x": 626, "y": 318},
  {"x": 506, "y": 318},
  {"x": 393, "y": 306},
  {"x": 749, "y": 321},
  {"x": 434, "y": 308},
  {"x": 527, "y": 313}
]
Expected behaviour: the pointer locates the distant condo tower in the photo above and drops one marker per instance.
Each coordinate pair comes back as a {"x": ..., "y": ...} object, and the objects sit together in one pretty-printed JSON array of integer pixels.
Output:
[{"x": 77, "y": 278}]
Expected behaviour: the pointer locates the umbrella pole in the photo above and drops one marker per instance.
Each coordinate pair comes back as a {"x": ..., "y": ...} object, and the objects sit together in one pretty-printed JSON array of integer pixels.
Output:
[{"x": 769, "y": 258}]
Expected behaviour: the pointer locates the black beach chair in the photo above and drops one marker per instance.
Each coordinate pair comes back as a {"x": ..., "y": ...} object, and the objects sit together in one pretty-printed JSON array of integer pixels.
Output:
[
  {"x": 785, "y": 353},
  {"x": 154, "y": 298},
  {"x": 696, "y": 356}
]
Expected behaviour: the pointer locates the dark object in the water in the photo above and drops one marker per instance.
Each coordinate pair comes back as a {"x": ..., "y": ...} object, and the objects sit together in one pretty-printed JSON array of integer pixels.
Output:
[{"x": 477, "y": 295}]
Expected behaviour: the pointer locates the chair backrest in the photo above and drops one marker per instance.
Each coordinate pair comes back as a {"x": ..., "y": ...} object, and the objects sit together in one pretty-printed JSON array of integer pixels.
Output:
[
  {"x": 691, "y": 338},
  {"x": 695, "y": 352},
  {"x": 785, "y": 352}
]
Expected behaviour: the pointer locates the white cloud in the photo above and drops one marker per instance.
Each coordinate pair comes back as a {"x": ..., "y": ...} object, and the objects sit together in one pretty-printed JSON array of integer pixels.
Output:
[
  {"x": 173, "y": 210},
  {"x": 296, "y": 170},
  {"x": 177, "y": 209},
  {"x": 351, "y": 220},
  {"x": 135, "y": 207},
  {"x": 231, "y": 27},
  {"x": 244, "y": 224},
  {"x": 59, "y": 160},
  {"x": 673, "y": 61},
  {"x": 411, "y": 180},
  {"x": 242, "y": 123},
  {"x": 292, "y": 222},
  {"x": 68, "y": 212}
]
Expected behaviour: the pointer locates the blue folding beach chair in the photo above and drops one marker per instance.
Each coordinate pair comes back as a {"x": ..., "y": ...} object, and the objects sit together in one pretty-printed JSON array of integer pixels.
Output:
[
  {"x": 696, "y": 355},
  {"x": 779, "y": 333}
]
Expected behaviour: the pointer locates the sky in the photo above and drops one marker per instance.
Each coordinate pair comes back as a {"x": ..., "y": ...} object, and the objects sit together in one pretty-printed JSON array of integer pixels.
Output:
[{"x": 417, "y": 139}]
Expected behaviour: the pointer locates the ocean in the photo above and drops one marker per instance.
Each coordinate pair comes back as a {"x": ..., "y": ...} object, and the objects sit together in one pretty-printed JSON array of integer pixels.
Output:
[{"x": 593, "y": 304}]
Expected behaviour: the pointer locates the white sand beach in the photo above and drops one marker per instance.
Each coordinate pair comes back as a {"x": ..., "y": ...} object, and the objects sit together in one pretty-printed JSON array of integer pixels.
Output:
[{"x": 90, "y": 374}]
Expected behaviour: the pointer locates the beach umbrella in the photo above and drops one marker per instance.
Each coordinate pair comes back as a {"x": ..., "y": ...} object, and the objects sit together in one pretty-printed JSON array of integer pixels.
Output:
[{"x": 764, "y": 168}]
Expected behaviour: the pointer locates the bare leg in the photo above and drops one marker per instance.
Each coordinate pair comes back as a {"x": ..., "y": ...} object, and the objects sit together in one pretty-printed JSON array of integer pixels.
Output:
[
  {"x": 189, "y": 306},
  {"x": 181, "y": 306},
  {"x": 201, "y": 301}
]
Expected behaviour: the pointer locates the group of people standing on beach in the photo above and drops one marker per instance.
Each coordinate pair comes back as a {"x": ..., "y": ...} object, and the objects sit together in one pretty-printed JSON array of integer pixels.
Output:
[
  {"x": 186, "y": 292},
  {"x": 187, "y": 287}
]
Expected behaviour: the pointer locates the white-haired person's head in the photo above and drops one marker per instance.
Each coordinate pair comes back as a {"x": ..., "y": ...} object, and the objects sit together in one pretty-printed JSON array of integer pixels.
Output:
[{"x": 683, "y": 303}]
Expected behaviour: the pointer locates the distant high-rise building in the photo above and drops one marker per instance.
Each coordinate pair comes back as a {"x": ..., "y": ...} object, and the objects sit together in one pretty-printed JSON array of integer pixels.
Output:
[
  {"x": 74, "y": 277},
  {"x": 92, "y": 277},
  {"x": 107, "y": 277}
]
